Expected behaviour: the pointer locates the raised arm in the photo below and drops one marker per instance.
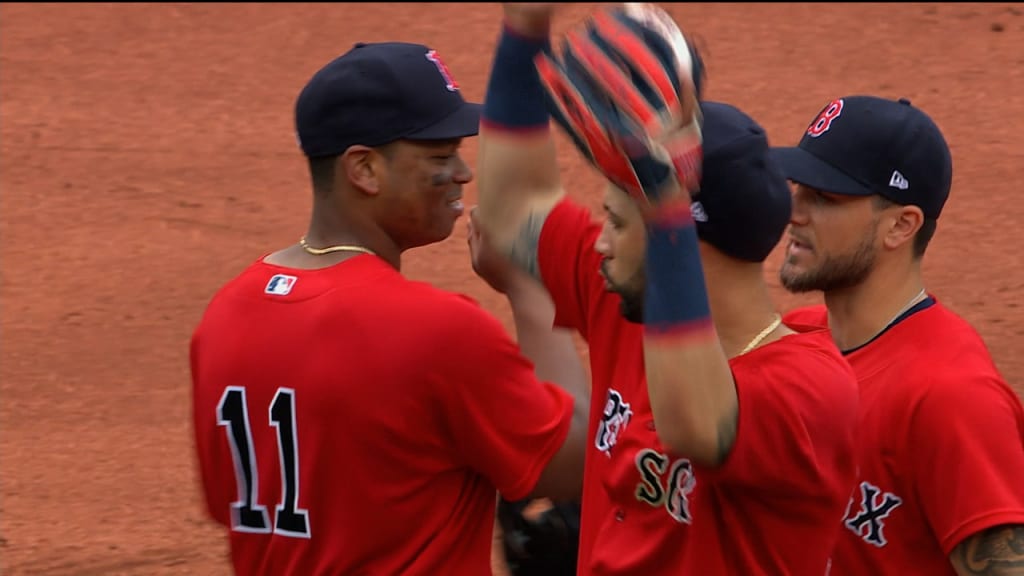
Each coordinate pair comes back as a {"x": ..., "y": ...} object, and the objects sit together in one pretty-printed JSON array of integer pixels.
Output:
[
  {"x": 517, "y": 173},
  {"x": 630, "y": 101},
  {"x": 552, "y": 351},
  {"x": 689, "y": 381}
]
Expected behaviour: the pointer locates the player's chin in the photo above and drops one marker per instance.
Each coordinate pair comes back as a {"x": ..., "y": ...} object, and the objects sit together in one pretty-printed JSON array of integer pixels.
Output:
[
  {"x": 443, "y": 227},
  {"x": 795, "y": 279}
]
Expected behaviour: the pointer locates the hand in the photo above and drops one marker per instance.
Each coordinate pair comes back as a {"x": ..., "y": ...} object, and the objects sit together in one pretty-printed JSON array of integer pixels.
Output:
[
  {"x": 529, "y": 18},
  {"x": 496, "y": 269},
  {"x": 640, "y": 127}
]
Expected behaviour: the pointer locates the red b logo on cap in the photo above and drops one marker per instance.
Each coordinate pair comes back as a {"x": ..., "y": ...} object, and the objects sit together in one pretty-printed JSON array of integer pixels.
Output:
[
  {"x": 449, "y": 82},
  {"x": 824, "y": 120}
]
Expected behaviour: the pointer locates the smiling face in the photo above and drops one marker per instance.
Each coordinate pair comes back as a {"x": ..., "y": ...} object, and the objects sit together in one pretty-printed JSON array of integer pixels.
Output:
[
  {"x": 420, "y": 194},
  {"x": 833, "y": 243},
  {"x": 622, "y": 243}
]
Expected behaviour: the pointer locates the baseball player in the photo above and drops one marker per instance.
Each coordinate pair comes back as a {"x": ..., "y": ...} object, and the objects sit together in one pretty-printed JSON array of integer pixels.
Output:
[
  {"x": 720, "y": 439},
  {"x": 349, "y": 420},
  {"x": 941, "y": 481}
]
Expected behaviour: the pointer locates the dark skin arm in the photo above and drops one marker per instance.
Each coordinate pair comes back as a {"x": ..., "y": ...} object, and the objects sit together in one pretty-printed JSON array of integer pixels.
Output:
[{"x": 998, "y": 551}]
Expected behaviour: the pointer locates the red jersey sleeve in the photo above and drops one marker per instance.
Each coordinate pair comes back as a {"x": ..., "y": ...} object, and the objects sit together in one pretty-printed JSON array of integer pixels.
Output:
[
  {"x": 216, "y": 489},
  {"x": 504, "y": 423},
  {"x": 798, "y": 409},
  {"x": 570, "y": 266},
  {"x": 968, "y": 458}
]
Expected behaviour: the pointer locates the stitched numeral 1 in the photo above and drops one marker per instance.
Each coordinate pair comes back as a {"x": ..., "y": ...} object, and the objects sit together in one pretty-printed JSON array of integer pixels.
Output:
[{"x": 247, "y": 515}]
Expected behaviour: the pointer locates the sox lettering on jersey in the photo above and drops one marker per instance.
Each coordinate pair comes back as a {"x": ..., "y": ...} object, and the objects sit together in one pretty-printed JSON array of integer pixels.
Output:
[
  {"x": 666, "y": 485},
  {"x": 875, "y": 507},
  {"x": 614, "y": 420}
]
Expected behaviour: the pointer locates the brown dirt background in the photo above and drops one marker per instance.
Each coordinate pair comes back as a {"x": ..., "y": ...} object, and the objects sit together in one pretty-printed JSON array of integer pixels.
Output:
[{"x": 147, "y": 155}]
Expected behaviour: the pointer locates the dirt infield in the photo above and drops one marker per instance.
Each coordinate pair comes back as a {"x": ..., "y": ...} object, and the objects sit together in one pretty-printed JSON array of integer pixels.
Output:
[{"x": 147, "y": 155}]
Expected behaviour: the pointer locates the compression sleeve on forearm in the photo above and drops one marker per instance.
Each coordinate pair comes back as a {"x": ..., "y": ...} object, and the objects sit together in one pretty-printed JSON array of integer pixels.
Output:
[
  {"x": 676, "y": 300},
  {"x": 515, "y": 99}
]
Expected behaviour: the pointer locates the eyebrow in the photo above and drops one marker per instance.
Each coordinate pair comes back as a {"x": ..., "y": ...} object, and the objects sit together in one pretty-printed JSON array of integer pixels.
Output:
[{"x": 611, "y": 213}]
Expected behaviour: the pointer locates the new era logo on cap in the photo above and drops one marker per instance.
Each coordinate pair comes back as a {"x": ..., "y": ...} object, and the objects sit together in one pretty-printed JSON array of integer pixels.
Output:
[
  {"x": 898, "y": 181},
  {"x": 697, "y": 212}
]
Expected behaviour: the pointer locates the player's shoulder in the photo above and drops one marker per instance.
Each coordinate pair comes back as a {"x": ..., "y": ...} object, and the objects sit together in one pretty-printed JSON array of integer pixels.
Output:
[
  {"x": 808, "y": 348},
  {"x": 235, "y": 286},
  {"x": 809, "y": 359},
  {"x": 449, "y": 311},
  {"x": 940, "y": 343},
  {"x": 440, "y": 301},
  {"x": 946, "y": 332},
  {"x": 942, "y": 359}
]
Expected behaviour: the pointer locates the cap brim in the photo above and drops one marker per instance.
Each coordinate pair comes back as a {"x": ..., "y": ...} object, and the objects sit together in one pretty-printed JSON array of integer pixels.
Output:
[
  {"x": 463, "y": 122},
  {"x": 805, "y": 168}
]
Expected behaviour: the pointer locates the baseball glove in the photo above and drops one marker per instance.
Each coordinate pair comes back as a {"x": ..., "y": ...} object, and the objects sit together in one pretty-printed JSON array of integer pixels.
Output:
[
  {"x": 540, "y": 544},
  {"x": 625, "y": 89}
]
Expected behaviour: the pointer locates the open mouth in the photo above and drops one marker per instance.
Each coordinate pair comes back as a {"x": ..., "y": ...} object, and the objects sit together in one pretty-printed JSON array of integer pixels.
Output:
[{"x": 795, "y": 246}]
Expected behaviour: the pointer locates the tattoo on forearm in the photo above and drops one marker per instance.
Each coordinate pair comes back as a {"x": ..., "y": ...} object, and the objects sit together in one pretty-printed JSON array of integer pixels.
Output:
[
  {"x": 727, "y": 426},
  {"x": 998, "y": 551},
  {"x": 524, "y": 248}
]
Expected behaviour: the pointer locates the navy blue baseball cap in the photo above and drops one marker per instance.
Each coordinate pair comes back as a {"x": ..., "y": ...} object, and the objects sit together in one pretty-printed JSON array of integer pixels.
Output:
[
  {"x": 744, "y": 203},
  {"x": 377, "y": 93},
  {"x": 865, "y": 145}
]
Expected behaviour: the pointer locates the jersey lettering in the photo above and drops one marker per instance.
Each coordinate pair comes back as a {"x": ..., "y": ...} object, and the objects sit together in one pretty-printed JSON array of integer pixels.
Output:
[
  {"x": 614, "y": 420},
  {"x": 665, "y": 485},
  {"x": 875, "y": 507},
  {"x": 824, "y": 120},
  {"x": 246, "y": 514}
]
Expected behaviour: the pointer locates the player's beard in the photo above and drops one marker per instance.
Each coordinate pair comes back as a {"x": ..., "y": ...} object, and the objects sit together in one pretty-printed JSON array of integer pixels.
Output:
[
  {"x": 631, "y": 295},
  {"x": 835, "y": 272}
]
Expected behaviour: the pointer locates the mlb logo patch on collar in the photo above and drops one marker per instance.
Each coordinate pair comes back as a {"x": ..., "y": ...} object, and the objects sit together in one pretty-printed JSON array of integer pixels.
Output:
[{"x": 280, "y": 285}]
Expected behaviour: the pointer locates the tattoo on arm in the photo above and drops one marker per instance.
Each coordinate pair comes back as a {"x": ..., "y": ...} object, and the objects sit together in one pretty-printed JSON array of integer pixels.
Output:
[
  {"x": 523, "y": 250},
  {"x": 727, "y": 426},
  {"x": 998, "y": 551}
]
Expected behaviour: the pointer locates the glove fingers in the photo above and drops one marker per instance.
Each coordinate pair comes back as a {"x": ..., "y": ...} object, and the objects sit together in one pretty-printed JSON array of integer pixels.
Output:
[
  {"x": 628, "y": 91},
  {"x": 624, "y": 90},
  {"x": 634, "y": 52},
  {"x": 686, "y": 154},
  {"x": 587, "y": 116}
]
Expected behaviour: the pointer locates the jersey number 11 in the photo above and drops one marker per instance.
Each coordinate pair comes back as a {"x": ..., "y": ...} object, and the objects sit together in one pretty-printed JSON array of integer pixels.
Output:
[{"x": 246, "y": 514}]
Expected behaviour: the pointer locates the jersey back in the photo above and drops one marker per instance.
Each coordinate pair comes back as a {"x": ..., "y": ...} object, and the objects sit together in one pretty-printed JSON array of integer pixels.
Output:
[{"x": 350, "y": 421}]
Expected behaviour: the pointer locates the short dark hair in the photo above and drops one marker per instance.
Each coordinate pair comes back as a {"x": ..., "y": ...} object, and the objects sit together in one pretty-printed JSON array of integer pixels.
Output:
[
  {"x": 924, "y": 233},
  {"x": 321, "y": 168},
  {"x": 321, "y": 171}
]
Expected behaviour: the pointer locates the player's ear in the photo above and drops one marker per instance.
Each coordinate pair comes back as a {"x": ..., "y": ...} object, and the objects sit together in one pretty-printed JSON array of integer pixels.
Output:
[
  {"x": 903, "y": 225},
  {"x": 363, "y": 166}
]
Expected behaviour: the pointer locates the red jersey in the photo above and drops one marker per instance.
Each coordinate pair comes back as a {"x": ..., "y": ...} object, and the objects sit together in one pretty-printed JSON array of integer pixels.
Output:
[
  {"x": 351, "y": 421},
  {"x": 772, "y": 508},
  {"x": 941, "y": 445}
]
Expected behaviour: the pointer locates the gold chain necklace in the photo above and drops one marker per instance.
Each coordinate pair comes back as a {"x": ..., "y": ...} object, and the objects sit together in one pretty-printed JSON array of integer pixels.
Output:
[
  {"x": 764, "y": 334},
  {"x": 338, "y": 248}
]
